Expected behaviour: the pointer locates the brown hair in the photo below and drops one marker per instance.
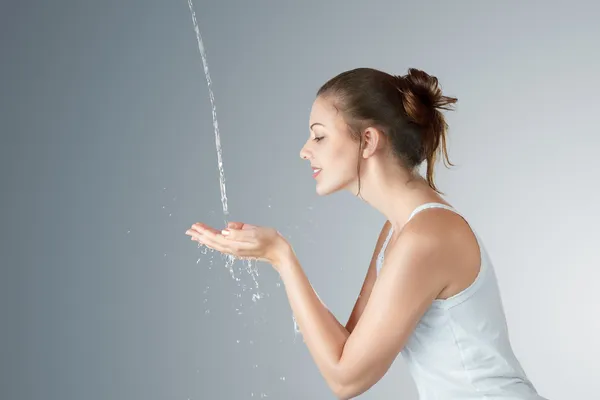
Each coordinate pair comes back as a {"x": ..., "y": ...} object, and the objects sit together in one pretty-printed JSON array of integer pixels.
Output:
[{"x": 404, "y": 107}]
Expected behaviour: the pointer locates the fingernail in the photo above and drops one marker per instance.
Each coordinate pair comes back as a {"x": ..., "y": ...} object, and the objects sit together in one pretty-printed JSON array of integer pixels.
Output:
[{"x": 225, "y": 232}]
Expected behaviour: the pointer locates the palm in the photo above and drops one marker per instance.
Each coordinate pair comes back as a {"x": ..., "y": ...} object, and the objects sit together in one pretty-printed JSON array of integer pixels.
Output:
[{"x": 241, "y": 240}]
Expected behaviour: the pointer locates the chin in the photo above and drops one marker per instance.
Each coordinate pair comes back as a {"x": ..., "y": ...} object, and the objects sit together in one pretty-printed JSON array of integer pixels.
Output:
[
  {"x": 325, "y": 190},
  {"x": 322, "y": 192}
]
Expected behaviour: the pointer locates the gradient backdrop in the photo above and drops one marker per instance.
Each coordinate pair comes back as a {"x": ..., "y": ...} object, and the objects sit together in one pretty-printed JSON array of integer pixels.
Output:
[{"x": 108, "y": 156}]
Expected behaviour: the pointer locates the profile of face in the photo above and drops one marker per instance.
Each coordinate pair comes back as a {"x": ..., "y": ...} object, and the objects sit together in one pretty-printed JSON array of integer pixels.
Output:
[{"x": 330, "y": 149}]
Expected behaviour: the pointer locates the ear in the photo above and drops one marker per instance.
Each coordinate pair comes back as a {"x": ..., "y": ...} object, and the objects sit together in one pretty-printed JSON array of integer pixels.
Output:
[{"x": 372, "y": 139}]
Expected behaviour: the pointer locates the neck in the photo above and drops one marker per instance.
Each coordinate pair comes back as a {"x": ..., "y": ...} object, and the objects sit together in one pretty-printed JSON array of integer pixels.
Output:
[{"x": 393, "y": 191}]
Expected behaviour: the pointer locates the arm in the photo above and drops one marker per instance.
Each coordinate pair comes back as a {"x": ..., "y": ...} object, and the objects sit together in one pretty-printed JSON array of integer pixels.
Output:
[{"x": 353, "y": 362}]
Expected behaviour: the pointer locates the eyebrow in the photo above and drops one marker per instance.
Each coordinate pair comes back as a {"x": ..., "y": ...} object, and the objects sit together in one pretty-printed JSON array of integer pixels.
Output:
[{"x": 317, "y": 123}]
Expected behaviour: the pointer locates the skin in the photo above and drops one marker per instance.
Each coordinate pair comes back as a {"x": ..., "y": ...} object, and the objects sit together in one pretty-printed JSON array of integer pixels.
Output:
[{"x": 434, "y": 256}]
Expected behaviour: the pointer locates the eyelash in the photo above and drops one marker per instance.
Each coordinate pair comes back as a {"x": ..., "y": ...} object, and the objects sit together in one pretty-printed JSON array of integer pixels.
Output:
[{"x": 318, "y": 139}]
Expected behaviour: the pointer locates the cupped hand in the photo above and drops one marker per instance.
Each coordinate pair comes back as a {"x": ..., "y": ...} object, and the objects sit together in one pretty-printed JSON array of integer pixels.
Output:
[{"x": 241, "y": 240}]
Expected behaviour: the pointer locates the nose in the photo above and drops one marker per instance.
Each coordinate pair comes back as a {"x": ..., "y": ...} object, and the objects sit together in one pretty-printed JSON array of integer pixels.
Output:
[{"x": 304, "y": 153}]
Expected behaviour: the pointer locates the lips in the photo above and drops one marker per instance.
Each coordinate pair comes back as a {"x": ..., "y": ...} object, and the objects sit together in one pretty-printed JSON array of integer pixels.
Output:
[{"x": 316, "y": 172}]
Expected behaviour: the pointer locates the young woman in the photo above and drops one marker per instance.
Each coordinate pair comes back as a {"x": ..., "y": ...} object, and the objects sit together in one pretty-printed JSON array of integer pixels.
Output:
[{"x": 430, "y": 292}]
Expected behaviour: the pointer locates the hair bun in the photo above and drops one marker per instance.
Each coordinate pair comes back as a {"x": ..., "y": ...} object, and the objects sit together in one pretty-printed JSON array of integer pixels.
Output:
[{"x": 422, "y": 96}]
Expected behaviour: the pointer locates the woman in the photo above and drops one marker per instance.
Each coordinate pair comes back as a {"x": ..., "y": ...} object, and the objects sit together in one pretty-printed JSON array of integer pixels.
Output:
[{"x": 430, "y": 292}]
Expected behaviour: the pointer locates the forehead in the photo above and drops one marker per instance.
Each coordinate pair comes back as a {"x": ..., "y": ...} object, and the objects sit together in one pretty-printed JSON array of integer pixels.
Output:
[{"x": 323, "y": 112}]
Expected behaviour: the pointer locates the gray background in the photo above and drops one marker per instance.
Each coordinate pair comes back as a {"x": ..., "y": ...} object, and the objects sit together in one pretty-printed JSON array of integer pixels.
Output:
[{"x": 108, "y": 156}]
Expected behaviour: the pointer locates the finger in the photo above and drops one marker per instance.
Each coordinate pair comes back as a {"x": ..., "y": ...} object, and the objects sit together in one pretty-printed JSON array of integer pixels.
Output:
[
  {"x": 235, "y": 225},
  {"x": 196, "y": 231},
  {"x": 203, "y": 228},
  {"x": 219, "y": 243},
  {"x": 194, "y": 234},
  {"x": 239, "y": 235},
  {"x": 206, "y": 231}
]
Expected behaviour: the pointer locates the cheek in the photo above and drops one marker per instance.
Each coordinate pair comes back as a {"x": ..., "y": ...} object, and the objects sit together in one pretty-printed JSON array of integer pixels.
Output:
[{"x": 345, "y": 157}]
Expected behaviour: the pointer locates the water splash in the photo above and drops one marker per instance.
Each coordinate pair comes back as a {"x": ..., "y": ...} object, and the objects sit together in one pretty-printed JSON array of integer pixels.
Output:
[
  {"x": 296, "y": 328},
  {"x": 229, "y": 259}
]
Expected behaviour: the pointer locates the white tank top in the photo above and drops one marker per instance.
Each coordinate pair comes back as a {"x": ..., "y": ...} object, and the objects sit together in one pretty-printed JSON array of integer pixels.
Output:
[{"x": 460, "y": 348}]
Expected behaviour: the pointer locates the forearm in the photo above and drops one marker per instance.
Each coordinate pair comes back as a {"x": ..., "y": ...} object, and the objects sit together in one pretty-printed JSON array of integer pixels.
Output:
[{"x": 323, "y": 334}]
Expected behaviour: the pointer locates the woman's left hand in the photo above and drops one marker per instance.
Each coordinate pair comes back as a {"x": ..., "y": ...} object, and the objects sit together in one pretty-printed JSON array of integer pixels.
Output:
[{"x": 241, "y": 240}]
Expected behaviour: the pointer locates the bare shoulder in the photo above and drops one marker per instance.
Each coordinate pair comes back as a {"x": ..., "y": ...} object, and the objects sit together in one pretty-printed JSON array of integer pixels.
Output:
[
  {"x": 439, "y": 224},
  {"x": 443, "y": 243}
]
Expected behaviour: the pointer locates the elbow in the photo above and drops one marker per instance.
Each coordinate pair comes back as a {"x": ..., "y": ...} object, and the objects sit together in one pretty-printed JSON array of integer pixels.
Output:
[
  {"x": 343, "y": 396},
  {"x": 346, "y": 392},
  {"x": 348, "y": 386},
  {"x": 341, "y": 392},
  {"x": 339, "y": 387}
]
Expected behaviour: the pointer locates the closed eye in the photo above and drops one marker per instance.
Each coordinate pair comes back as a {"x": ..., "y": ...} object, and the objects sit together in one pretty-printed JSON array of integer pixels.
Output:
[{"x": 318, "y": 139}]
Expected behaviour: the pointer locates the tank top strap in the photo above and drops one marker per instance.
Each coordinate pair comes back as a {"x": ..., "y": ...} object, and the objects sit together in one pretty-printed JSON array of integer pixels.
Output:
[
  {"x": 417, "y": 210},
  {"x": 484, "y": 262},
  {"x": 432, "y": 205}
]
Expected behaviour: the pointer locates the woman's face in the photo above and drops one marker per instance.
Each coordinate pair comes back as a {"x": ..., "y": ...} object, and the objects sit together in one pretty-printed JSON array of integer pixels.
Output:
[{"x": 330, "y": 149}]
